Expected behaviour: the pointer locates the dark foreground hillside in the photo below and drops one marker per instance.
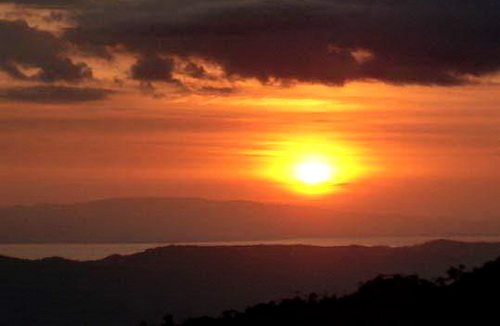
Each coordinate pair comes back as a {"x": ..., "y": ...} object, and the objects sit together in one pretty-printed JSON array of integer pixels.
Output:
[
  {"x": 189, "y": 281},
  {"x": 462, "y": 298}
]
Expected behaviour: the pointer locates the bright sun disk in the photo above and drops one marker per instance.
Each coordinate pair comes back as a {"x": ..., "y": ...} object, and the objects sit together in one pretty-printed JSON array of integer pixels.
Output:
[{"x": 313, "y": 173}]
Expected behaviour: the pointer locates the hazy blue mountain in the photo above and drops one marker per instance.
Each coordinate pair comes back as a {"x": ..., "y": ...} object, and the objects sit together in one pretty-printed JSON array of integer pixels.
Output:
[
  {"x": 192, "y": 281},
  {"x": 174, "y": 219}
]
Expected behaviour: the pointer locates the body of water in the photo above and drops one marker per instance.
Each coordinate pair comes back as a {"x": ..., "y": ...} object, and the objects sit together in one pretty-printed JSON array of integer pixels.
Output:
[{"x": 93, "y": 251}]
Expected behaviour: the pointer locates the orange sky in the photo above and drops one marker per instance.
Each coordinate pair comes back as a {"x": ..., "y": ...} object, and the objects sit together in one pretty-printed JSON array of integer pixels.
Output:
[{"x": 226, "y": 147}]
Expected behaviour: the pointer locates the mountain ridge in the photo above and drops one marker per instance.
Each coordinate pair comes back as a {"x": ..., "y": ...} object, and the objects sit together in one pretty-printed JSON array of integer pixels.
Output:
[{"x": 190, "y": 281}]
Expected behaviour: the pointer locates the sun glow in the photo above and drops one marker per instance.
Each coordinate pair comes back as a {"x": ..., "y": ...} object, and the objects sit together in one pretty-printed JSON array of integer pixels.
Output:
[{"x": 313, "y": 166}]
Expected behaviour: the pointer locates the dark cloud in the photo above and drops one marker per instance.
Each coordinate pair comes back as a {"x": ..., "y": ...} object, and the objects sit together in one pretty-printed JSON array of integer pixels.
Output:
[
  {"x": 196, "y": 71},
  {"x": 150, "y": 67},
  {"x": 410, "y": 41},
  {"x": 217, "y": 90},
  {"x": 54, "y": 94},
  {"x": 49, "y": 3},
  {"x": 23, "y": 46}
]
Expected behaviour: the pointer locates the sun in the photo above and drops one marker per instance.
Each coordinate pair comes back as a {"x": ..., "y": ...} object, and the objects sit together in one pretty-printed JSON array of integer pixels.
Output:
[
  {"x": 312, "y": 166},
  {"x": 313, "y": 172}
]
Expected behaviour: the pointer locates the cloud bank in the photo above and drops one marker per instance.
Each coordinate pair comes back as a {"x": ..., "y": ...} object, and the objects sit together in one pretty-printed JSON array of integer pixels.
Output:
[
  {"x": 426, "y": 42},
  {"x": 438, "y": 42}
]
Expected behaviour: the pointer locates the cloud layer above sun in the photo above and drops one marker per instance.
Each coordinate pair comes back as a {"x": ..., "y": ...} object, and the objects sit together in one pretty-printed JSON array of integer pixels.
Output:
[{"x": 207, "y": 45}]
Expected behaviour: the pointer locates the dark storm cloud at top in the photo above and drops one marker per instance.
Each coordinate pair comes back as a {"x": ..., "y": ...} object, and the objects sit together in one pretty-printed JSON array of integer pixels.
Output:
[
  {"x": 429, "y": 42},
  {"x": 22, "y": 45}
]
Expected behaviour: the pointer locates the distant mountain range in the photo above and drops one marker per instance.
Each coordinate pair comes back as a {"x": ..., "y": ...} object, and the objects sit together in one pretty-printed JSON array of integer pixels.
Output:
[
  {"x": 190, "y": 219},
  {"x": 190, "y": 281}
]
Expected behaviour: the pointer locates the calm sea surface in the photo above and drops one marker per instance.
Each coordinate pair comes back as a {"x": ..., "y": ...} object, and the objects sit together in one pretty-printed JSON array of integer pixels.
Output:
[{"x": 94, "y": 251}]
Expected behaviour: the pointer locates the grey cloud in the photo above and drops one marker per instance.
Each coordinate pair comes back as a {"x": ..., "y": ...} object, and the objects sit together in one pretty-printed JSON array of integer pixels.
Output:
[
  {"x": 430, "y": 42},
  {"x": 109, "y": 125},
  {"x": 196, "y": 71},
  {"x": 21, "y": 45},
  {"x": 150, "y": 67},
  {"x": 217, "y": 90},
  {"x": 49, "y": 3},
  {"x": 54, "y": 94},
  {"x": 438, "y": 42}
]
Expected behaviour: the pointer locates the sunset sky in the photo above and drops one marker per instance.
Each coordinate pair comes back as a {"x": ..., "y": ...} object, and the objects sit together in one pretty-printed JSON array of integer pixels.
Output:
[{"x": 223, "y": 99}]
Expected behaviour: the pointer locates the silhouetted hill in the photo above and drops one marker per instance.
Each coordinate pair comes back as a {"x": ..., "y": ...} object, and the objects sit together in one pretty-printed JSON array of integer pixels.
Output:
[
  {"x": 461, "y": 298},
  {"x": 192, "y": 281},
  {"x": 190, "y": 219}
]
